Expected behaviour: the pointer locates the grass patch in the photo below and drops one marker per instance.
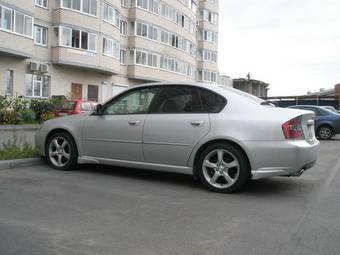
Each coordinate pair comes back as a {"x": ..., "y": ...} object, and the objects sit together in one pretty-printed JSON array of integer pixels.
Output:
[
  {"x": 15, "y": 152},
  {"x": 17, "y": 148}
]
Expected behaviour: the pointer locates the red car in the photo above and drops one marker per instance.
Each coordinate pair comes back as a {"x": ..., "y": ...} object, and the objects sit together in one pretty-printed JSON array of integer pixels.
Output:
[{"x": 71, "y": 107}]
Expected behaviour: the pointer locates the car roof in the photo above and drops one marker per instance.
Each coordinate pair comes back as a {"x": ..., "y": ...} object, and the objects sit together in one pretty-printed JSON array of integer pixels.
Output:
[{"x": 302, "y": 105}]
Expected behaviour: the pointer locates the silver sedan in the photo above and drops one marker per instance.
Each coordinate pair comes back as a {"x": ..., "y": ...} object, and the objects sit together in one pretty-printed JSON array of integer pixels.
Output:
[{"x": 222, "y": 136}]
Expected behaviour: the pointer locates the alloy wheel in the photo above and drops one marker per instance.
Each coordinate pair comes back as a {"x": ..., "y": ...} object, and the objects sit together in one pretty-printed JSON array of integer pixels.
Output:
[
  {"x": 221, "y": 168},
  {"x": 59, "y": 151},
  {"x": 325, "y": 133}
]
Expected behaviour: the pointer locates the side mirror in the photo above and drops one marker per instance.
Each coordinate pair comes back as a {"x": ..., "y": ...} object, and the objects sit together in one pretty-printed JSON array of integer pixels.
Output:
[{"x": 99, "y": 109}]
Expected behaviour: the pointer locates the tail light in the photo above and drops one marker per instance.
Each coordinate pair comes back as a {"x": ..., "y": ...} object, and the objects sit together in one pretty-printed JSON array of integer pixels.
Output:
[{"x": 292, "y": 129}]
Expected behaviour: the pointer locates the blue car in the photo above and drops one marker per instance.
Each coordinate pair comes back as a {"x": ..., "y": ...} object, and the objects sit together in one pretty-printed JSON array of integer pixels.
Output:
[{"x": 327, "y": 123}]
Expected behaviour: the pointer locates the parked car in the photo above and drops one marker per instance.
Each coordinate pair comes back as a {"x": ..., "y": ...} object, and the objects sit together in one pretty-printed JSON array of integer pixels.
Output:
[
  {"x": 71, "y": 107},
  {"x": 222, "y": 136},
  {"x": 327, "y": 123},
  {"x": 330, "y": 108}
]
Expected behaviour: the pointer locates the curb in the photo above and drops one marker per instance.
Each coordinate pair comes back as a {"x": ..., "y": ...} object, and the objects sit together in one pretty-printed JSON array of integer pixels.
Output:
[
  {"x": 16, "y": 163},
  {"x": 26, "y": 127}
]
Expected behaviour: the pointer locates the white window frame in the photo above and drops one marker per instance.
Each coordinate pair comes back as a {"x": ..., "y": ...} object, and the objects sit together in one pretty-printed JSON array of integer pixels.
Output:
[
  {"x": 115, "y": 15},
  {"x": 13, "y": 24},
  {"x": 9, "y": 81},
  {"x": 89, "y": 36},
  {"x": 81, "y": 7},
  {"x": 122, "y": 56},
  {"x": 42, "y": 3},
  {"x": 148, "y": 55},
  {"x": 149, "y": 28},
  {"x": 123, "y": 27},
  {"x": 149, "y": 7},
  {"x": 114, "y": 50},
  {"x": 41, "y": 39},
  {"x": 124, "y": 3},
  {"x": 34, "y": 81}
]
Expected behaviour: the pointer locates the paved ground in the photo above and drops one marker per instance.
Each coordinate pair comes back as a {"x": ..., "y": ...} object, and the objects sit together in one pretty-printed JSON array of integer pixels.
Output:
[{"x": 102, "y": 210}]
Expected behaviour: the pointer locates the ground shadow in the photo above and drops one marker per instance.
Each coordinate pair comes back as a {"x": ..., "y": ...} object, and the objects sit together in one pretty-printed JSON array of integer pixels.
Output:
[{"x": 264, "y": 186}]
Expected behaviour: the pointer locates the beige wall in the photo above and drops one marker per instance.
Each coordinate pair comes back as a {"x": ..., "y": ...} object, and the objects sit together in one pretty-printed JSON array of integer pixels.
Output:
[{"x": 67, "y": 66}]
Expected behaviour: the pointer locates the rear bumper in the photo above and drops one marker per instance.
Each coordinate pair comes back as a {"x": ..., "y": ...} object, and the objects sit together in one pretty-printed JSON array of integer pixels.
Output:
[{"x": 281, "y": 158}]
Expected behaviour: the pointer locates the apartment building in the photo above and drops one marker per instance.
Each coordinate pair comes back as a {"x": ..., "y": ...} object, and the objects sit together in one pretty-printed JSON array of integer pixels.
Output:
[{"x": 93, "y": 49}]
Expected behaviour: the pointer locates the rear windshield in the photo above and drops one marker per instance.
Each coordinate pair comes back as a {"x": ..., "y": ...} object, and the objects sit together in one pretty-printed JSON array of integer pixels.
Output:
[
  {"x": 250, "y": 97},
  {"x": 69, "y": 105}
]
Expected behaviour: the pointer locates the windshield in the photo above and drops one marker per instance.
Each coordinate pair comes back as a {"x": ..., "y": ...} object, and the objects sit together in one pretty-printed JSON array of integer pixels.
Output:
[
  {"x": 244, "y": 94},
  {"x": 68, "y": 105}
]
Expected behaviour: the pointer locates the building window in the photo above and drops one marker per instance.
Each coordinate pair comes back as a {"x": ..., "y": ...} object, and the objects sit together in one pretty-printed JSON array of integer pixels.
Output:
[
  {"x": 123, "y": 57},
  {"x": 124, "y": 3},
  {"x": 123, "y": 27},
  {"x": 146, "y": 58},
  {"x": 111, "y": 15},
  {"x": 209, "y": 55},
  {"x": 111, "y": 48},
  {"x": 177, "y": 66},
  {"x": 37, "y": 85},
  {"x": 147, "y": 31},
  {"x": 41, "y": 3},
  {"x": 206, "y": 75},
  {"x": 40, "y": 35},
  {"x": 9, "y": 83},
  {"x": 209, "y": 16},
  {"x": 92, "y": 93},
  {"x": 76, "y": 39},
  {"x": 149, "y": 5},
  {"x": 210, "y": 36},
  {"x": 15, "y": 21},
  {"x": 85, "y": 6}
]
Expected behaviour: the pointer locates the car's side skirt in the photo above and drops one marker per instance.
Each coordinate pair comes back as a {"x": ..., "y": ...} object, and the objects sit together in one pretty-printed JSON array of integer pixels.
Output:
[{"x": 135, "y": 164}]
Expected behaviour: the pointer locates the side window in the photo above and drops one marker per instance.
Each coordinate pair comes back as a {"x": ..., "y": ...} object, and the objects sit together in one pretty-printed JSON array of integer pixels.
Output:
[
  {"x": 134, "y": 102},
  {"x": 212, "y": 102},
  {"x": 86, "y": 107},
  {"x": 178, "y": 99}
]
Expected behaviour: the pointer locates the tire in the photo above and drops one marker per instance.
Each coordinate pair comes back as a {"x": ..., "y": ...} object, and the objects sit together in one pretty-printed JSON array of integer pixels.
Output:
[
  {"x": 224, "y": 176},
  {"x": 61, "y": 151},
  {"x": 325, "y": 133}
]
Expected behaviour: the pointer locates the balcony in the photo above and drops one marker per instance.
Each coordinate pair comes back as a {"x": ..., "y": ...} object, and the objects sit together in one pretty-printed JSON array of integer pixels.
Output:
[
  {"x": 85, "y": 60},
  {"x": 16, "y": 45}
]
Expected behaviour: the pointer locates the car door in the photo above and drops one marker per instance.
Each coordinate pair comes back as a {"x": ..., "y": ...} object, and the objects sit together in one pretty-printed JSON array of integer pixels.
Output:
[
  {"x": 117, "y": 132},
  {"x": 174, "y": 125}
]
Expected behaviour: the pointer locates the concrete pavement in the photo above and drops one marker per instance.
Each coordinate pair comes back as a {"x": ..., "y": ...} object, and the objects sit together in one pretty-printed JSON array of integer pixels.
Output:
[{"x": 107, "y": 210}]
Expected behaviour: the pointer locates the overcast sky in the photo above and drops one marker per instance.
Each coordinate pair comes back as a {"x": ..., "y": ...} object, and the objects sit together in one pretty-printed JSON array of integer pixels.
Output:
[{"x": 292, "y": 44}]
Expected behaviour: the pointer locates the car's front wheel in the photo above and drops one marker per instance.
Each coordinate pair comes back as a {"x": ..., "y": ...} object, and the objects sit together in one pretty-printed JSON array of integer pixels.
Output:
[
  {"x": 61, "y": 151},
  {"x": 223, "y": 168},
  {"x": 325, "y": 132}
]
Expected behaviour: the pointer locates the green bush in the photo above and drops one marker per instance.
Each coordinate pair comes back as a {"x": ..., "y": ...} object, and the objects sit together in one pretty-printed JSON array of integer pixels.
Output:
[
  {"x": 41, "y": 106},
  {"x": 28, "y": 116},
  {"x": 20, "y": 110}
]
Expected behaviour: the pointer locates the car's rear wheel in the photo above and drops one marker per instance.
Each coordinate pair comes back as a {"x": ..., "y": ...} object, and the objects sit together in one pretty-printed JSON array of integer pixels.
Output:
[
  {"x": 223, "y": 168},
  {"x": 61, "y": 151},
  {"x": 325, "y": 132}
]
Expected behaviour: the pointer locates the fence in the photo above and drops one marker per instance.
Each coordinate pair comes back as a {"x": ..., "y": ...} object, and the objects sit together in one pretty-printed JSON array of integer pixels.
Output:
[{"x": 305, "y": 100}]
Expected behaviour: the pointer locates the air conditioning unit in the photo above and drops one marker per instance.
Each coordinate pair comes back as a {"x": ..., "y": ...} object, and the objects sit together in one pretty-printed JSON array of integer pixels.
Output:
[
  {"x": 43, "y": 68},
  {"x": 34, "y": 67}
]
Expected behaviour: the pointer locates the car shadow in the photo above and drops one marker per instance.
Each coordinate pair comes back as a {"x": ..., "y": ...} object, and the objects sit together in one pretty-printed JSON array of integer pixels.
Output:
[
  {"x": 141, "y": 174},
  {"x": 268, "y": 186}
]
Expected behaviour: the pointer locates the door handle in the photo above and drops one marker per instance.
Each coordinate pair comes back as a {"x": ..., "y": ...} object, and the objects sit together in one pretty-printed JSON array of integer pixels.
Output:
[
  {"x": 197, "y": 123},
  {"x": 134, "y": 123}
]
